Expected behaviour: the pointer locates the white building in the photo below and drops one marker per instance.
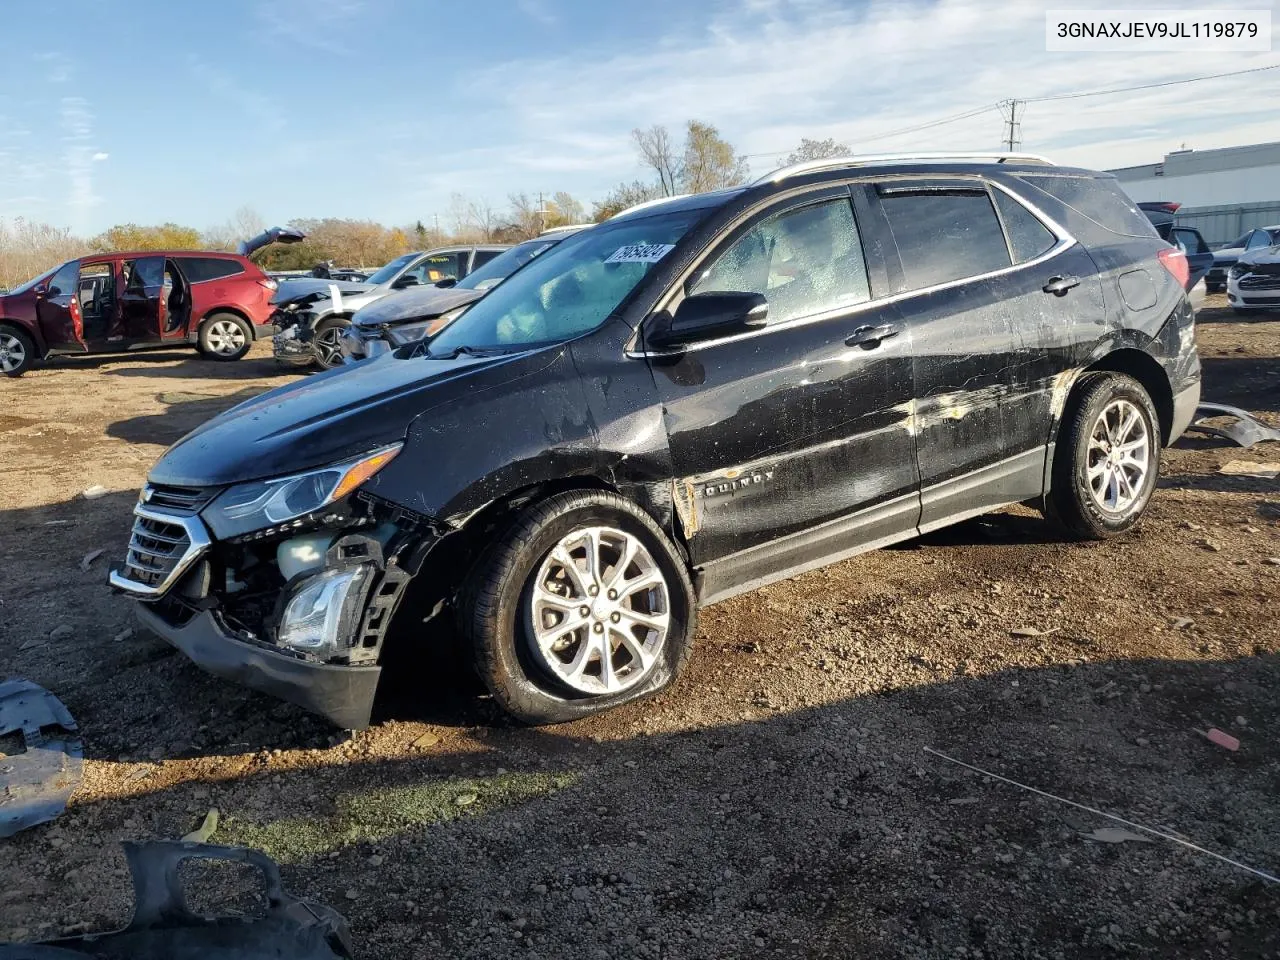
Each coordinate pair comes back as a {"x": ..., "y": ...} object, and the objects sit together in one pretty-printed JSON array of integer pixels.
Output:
[
  {"x": 1208, "y": 178},
  {"x": 1223, "y": 192}
]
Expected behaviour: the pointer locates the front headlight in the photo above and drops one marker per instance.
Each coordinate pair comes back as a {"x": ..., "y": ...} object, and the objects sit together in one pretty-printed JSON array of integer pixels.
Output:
[
  {"x": 323, "y": 613},
  {"x": 413, "y": 332},
  {"x": 247, "y": 507}
]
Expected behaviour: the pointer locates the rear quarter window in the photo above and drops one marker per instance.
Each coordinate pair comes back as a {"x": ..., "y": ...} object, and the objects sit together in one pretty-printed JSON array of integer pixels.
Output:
[
  {"x": 1099, "y": 199},
  {"x": 200, "y": 269}
]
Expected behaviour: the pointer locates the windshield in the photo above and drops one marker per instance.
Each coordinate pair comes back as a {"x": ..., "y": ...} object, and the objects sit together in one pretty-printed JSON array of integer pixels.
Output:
[
  {"x": 34, "y": 280},
  {"x": 505, "y": 264},
  {"x": 569, "y": 290},
  {"x": 383, "y": 274}
]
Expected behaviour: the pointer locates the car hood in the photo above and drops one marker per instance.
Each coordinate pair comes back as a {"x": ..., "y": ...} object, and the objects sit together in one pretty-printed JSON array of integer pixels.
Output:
[
  {"x": 1257, "y": 257},
  {"x": 326, "y": 418},
  {"x": 1227, "y": 255},
  {"x": 291, "y": 290},
  {"x": 412, "y": 305}
]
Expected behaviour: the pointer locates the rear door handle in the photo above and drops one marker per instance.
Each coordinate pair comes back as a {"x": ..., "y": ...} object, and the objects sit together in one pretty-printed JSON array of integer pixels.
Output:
[
  {"x": 1059, "y": 286},
  {"x": 869, "y": 337}
]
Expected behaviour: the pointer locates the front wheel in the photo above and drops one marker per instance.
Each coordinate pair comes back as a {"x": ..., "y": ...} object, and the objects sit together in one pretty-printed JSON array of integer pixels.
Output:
[
  {"x": 1107, "y": 458},
  {"x": 582, "y": 605},
  {"x": 17, "y": 352},
  {"x": 327, "y": 342},
  {"x": 224, "y": 336}
]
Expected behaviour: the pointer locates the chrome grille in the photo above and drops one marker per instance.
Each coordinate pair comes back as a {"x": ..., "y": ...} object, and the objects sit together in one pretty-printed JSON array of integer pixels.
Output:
[
  {"x": 162, "y": 547},
  {"x": 1260, "y": 281},
  {"x": 186, "y": 499}
]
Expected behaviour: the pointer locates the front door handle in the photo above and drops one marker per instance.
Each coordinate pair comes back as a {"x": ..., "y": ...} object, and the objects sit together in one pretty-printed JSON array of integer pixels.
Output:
[
  {"x": 1059, "y": 286},
  {"x": 869, "y": 337}
]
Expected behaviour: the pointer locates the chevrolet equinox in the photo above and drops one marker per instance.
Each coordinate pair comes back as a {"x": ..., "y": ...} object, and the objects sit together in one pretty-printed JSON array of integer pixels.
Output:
[{"x": 702, "y": 395}]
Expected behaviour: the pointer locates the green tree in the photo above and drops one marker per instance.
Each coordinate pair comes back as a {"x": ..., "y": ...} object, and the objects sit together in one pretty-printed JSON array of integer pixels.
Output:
[
  {"x": 709, "y": 160},
  {"x": 131, "y": 236}
]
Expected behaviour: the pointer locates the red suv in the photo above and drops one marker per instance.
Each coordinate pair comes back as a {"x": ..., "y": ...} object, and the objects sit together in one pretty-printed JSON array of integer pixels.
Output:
[{"x": 218, "y": 302}]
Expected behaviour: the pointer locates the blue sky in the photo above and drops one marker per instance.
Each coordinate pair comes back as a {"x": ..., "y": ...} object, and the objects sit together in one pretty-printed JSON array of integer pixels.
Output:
[{"x": 153, "y": 110}]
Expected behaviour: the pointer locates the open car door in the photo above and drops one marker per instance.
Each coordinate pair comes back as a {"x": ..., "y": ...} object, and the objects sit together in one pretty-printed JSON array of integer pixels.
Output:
[
  {"x": 143, "y": 301},
  {"x": 58, "y": 309}
]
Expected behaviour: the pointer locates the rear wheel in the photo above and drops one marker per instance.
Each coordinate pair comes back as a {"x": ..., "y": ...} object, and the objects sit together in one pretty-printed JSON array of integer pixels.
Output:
[
  {"x": 1107, "y": 458},
  {"x": 224, "y": 336},
  {"x": 582, "y": 605},
  {"x": 17, "y": 352},
  {"x": 327, "y": 341}
]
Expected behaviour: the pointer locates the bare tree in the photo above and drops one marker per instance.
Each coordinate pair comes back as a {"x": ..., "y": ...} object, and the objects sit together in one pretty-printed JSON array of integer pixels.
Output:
[
  {"x": 565, "y": 210},
  {"x": 818, "y": 150},
  {"x": 27, "y": 249},
  {"x": 525, "y": 216},
  {"x": 658, "y": 152},
  {"x": 709, "y": 161}
]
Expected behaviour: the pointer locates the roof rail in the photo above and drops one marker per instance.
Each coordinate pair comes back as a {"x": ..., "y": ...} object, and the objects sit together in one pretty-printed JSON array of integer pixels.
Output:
[
  {"x": 831, "y": 163},
  {"x": 648, "y": 203}
]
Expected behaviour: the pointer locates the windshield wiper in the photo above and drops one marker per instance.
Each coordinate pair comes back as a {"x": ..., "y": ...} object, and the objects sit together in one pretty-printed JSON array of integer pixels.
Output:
[{"x": 459, "y": 351}]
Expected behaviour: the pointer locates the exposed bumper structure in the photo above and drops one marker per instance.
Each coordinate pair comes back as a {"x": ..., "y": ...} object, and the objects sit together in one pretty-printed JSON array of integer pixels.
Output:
[{"x": 341, "y": 693}]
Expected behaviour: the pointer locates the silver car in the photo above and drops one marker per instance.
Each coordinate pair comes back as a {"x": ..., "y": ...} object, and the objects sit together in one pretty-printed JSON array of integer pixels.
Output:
[{"x": 313, "y": 313}]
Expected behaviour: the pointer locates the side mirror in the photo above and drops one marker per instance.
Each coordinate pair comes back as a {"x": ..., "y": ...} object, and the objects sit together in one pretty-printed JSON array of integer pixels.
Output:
[
  {"x": 447, "y": 282},
  {"x": 408, "y": 280},
  {"x": 704, "y": 316},
  {"x": 41, "y": 289}
]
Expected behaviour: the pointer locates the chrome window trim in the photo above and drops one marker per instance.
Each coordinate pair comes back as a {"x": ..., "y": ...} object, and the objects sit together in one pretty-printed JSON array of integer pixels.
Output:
[
  {"x": 198, "y": 543},
  {"x": 1065, "y": 242}
]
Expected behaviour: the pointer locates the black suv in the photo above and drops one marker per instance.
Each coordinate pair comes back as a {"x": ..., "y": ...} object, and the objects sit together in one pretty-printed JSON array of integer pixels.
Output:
[{"x": 699, "y": 396}]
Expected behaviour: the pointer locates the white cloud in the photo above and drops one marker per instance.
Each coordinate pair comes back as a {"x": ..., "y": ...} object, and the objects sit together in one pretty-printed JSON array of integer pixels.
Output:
[
  {"x": 324, "y": 25},
  {"x": 77, "y": 134},
  {"x": 99, "y": 157},
  {"x": 768, "y": 72},
  {"x": 537, "y": 10}
]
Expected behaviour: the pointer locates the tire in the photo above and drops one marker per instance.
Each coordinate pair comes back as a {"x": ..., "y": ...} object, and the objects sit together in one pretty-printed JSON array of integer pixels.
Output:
[
  {"x": 17, "y": 352},
  {"x": 1093, "y": 496},
  {"x": 224, "y": 337},
  {"x": 499, "y": 609},
  {"x": 327, "y": 341}
]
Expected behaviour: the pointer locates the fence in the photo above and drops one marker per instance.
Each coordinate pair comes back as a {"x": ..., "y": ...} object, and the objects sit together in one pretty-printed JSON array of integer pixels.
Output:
[{"x": 1223, "y": 224}]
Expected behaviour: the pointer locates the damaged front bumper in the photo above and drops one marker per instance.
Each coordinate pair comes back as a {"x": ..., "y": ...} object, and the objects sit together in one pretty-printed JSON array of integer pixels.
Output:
[
  {"x": 300, "y": 613},
  {"x": 341, "y": 693}
]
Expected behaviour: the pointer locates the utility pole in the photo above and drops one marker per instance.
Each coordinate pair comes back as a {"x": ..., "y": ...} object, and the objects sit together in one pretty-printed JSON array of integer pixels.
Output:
[
  {"x": 542, "y": 214},
  {"x": 1013, "y": 128},
  {"x": 435, "y": 220}
]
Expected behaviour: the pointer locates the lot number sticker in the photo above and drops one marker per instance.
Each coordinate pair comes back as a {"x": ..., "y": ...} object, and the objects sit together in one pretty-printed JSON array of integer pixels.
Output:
[{"x": 641, "y": 253}]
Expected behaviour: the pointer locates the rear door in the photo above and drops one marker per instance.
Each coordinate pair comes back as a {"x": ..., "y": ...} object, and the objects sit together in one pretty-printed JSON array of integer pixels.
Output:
[
  {"x": 142, "y": 303},
  {"x": 954, "y": 275},
  {"x": 58, "y": 309},
  {"x": 791, "y": 444}
]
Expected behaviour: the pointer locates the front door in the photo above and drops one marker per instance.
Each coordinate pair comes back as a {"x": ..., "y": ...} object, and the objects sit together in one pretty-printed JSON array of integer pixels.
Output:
[
  {"x": 971, "y": 435},
  {"x": 143, "y": 301},
  {"x": 791, "y": 444},
  {"x": 58, "y": 309}
]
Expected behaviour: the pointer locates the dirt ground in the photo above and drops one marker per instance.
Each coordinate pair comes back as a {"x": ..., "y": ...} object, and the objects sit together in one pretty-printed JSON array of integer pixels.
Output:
[{"x": 778, "y": 801}]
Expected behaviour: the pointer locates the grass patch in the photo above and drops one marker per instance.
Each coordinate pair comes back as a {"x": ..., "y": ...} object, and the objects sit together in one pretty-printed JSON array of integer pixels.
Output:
[{"x": 376, "y": 814}]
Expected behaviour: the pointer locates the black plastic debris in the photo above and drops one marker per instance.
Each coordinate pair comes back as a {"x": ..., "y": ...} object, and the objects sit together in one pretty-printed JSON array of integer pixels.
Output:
[
  {"x": 41, "y": 756},
  {"x": 164, "y": 927}
]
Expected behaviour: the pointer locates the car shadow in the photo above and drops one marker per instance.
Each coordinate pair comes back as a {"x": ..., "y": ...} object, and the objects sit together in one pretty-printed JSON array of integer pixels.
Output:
[
  {"x": 186, "y": 410},
  {"x": 827, "y": 831},
  {"x": 1246, "y": 382}
]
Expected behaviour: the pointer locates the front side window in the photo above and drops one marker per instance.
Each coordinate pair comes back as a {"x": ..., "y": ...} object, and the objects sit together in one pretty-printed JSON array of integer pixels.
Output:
[
  {"x": 63, "y": 283},
  {"x": 386, "y": 272},
  {"x": 97, "y": 288},
  {"x": 143, "y": 273},
  {"x": 569, "y": 290},
  {"x": 1028, "y": 237},
  {"x": 804, "y": 261},
  {"x": 944, "y": 235}
]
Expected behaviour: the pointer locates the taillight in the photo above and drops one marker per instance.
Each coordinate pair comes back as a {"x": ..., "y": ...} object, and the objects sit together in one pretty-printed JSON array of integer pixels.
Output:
[
  {"x": 1175, "y": 261},
  {"x": 74, "y": 310},
  {"x": 270, "y": 284}
]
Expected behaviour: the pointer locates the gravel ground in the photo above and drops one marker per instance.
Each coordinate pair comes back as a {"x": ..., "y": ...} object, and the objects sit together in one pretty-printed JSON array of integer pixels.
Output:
[{"x": 778, "y": 801}]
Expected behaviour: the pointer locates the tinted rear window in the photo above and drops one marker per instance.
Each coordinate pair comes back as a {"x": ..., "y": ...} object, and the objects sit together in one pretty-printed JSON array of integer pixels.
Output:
[
  {"x": 1099, "y": 199},
  {"x": 944, "y": 235},
  {"x": 199, "y": 269}
]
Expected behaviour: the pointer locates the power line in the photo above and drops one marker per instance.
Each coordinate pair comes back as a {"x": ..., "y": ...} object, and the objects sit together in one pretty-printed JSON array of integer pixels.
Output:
[
  {"x": 1147, "y": 86},
  {"x": 902, "y": 132}
]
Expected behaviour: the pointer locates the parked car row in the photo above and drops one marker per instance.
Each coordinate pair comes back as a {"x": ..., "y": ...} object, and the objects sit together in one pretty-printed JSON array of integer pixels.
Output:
[{"x": 696, "y": 397}]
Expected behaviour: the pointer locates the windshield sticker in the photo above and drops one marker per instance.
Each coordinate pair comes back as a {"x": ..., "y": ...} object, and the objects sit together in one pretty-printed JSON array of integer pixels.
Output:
[{"x": 641, "y": 253}]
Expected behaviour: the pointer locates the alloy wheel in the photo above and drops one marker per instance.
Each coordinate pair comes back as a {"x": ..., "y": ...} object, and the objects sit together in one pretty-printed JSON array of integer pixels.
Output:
[
  {"x": 328, "y": 346},
  {"x": 12, "y": 353},
  {"x": 1119, "y": 457},
  {"x": 225, "y": 337},
  {"x": 599, "y": 611}
]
